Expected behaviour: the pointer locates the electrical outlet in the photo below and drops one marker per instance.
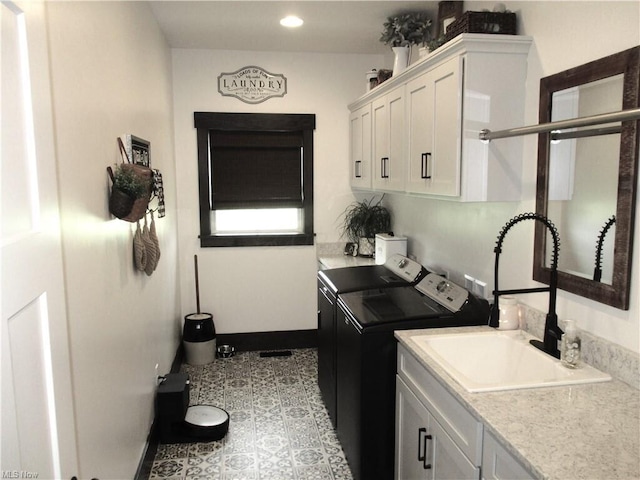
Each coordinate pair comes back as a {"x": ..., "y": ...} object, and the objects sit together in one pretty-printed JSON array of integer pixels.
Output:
[
  {"x": 480, "y": 288},
  {"x": 156, "y": 378},
  {"x": 469, "y": 282}
]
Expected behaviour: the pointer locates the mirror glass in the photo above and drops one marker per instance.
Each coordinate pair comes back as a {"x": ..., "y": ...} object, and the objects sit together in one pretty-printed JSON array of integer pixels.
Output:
[
  {"x": 587, "y": 179},
  {"x": 583, "y": 178}
]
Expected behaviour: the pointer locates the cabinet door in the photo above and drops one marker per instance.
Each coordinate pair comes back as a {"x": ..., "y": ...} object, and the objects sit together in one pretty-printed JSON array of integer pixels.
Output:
[
  {"x": 424, "y": 450},
  {"x": 388, "y": 141},
  {"x": 434, "y": 126},
  {"x": 412, "y": 424},
  {"x": 498, "y": 464},
  {"x": 448, "y": 461},
  {"x": 360, "y": 158}
]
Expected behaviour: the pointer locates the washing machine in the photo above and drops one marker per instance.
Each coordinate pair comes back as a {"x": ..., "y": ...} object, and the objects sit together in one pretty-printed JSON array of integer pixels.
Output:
[
  {"x": 397, "y": 271},
  {"x": 366, "y": 360}
]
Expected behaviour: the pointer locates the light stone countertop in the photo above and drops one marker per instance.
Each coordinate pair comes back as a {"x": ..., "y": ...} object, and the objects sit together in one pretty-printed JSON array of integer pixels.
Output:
[
  {"x": 340, "y": 261},
  {"x": 587, "y": 431},
  {"x": 330, "y": 255}
]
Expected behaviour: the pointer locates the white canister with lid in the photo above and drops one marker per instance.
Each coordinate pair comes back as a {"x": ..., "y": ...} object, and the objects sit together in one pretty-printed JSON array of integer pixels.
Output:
[{"x": 509, "y": 313}]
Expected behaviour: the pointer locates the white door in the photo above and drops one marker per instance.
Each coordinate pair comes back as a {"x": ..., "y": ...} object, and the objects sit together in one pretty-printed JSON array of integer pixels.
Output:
[{"x": 37, "y": 418}]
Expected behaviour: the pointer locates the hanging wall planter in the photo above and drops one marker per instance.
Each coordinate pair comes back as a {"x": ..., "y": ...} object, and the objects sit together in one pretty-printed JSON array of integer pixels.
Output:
[{"x": 131, "y": 190}]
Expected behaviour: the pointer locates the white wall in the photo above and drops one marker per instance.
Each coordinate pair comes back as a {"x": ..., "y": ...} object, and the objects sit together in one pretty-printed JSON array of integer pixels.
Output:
[
  {"x": 111, "y": 71},
  {"x": 255, "y": 289},
  {"x": 461, "y": 238}
]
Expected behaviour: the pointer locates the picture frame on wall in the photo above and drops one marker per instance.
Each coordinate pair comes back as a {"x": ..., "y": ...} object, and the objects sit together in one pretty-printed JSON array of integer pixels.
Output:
[
  {"x": 448, "y": 12},
  {"x": 138, "y": 150}
]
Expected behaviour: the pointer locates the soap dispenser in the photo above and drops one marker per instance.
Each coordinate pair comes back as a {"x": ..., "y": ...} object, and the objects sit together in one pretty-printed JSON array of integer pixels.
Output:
[{"x": 571, "y": 345}]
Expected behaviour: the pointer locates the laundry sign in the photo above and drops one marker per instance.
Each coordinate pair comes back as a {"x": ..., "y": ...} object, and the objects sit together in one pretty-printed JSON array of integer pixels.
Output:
[{"x": 252, "y": 84}]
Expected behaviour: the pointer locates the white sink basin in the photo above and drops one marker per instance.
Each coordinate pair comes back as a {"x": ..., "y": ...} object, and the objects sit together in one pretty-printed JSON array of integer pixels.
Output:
[{"x": 500, "y": 360}]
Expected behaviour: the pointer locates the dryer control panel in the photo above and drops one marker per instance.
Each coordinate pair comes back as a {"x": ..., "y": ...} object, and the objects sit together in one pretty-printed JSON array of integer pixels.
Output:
[
  {"x": 404, "y": 267},
  {"x": 446, "y": 293}
]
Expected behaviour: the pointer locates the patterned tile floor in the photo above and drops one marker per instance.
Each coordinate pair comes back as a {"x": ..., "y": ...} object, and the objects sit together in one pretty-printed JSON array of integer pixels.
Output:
[{"x": 279, "y": 428}]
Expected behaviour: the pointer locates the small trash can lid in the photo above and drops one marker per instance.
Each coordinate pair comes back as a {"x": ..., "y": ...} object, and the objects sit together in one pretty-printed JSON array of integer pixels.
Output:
[{"x": 198, "y": 316}]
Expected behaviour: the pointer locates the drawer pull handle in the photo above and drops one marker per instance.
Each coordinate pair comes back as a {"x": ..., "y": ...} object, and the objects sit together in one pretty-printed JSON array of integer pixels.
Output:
[
  {"x": 358, "y": 166},
  {"x": 425, "y": 165},
  {"x": 422, "y": 448},
  {"x": 384, "y": 167}
]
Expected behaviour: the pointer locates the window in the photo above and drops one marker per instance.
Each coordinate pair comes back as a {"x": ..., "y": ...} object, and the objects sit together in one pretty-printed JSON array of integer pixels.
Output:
[{"x": 255, "y": 178}]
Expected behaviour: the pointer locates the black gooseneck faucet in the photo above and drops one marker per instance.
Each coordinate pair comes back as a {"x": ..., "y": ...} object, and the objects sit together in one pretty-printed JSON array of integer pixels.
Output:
[{"x": 552, "y": 333}]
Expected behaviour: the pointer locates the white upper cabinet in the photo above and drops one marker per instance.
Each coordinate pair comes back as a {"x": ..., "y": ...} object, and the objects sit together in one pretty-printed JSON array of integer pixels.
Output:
[
  {"x": 360, "y": 126},
  {"x": 433, "y": 111},
  {"x": 474, "y": 82},
  {"x": 388, "y": 117}
]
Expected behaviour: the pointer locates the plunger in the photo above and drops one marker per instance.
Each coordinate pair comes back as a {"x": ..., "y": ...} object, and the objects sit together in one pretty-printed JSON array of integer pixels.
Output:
[{"x": 195, "y": 267}]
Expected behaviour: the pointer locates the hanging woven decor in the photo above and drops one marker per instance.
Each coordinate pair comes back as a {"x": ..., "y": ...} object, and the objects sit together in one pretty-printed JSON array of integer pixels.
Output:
[
  {"x": 150, "y": 248},
  {"x": 154, "y": 238},
  {"x": 139, "y": 250}
]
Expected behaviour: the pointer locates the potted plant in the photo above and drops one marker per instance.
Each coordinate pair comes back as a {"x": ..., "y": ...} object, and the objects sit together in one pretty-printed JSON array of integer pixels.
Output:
[
  {"x": 362, "y": 220},
  {"x": 128, "y": 187},
  {"x": 401, "y": 32},
  {"x": 435, "y": 43}
]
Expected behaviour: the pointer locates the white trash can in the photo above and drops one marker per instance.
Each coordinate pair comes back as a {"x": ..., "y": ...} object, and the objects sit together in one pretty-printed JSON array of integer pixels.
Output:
[{"x": 199, "y": 338}]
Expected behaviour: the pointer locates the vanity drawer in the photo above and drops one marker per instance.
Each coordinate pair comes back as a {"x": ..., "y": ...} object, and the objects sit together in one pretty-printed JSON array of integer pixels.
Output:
[{"x": 462, "y": 427}]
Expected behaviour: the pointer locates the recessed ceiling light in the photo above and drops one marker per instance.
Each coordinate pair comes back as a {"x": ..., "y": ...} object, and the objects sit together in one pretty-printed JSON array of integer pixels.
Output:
[{"x": 291, "y": 21}]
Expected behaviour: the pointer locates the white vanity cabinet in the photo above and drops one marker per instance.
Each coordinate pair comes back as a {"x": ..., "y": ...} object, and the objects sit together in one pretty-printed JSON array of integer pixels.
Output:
[
  {"x": 436, "y": 437},
  {"x": 388, "y": 139},
  {"x": 424, "y": 450},
  {"x": 432, "y": 114},
  {"x": 360, "y": 135}
]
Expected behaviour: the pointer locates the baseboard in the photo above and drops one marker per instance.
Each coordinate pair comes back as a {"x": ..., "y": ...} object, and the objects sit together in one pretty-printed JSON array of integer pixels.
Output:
[
  {"x": 245, "y": 342},
  {"x": 178, "y": 359},
  {"x": 146, "y": 462}
]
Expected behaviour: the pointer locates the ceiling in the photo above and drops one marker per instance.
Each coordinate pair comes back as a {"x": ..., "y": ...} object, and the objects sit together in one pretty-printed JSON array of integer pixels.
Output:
[{"x": 330, "y": 26}]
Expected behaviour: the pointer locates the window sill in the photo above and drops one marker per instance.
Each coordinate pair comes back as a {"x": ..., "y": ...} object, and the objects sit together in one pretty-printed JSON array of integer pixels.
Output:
[{"x": 255, "y": 240}]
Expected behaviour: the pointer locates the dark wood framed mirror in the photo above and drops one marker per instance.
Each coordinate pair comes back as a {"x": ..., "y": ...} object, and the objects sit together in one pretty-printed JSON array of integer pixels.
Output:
[{"x": 587, "y": 179}]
